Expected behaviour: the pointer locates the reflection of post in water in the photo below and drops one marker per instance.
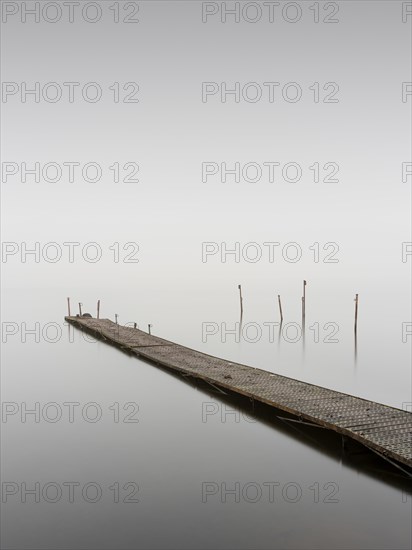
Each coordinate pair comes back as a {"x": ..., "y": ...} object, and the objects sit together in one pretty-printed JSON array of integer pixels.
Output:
[
  {"x": 356, "y": 346},
  {"x": 281, "y": 319},
  {"x": 241, "y": 299},
  {"x": 70, "y": 332},
  {"x": 240, "y": 325},
  {"x": 303, "y": 323},
  {"x": 355, "y": 328},
  {"x": 303, "y": 315},
  {"x": 280, "y": 331},
  {"x": 303, "y": 328}
]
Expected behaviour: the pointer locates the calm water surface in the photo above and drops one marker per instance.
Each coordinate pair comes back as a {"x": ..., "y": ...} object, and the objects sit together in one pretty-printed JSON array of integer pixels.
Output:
[{"x": 206, "y": 471}]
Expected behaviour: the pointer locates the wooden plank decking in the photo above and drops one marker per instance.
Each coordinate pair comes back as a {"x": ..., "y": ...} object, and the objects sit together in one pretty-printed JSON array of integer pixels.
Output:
[{"x": 385, "y": 429}]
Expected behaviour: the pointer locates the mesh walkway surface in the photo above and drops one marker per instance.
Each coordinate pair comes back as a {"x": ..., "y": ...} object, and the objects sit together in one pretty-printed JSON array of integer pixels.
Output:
[{"x": 382, "y": 428}]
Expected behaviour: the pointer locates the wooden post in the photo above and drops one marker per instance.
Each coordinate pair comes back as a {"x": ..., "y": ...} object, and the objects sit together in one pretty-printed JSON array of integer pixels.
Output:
[
  {"x": 149, "y": 327},
  {"x": 68, "y": 305},
  {"x": 115, "y": 316},
  {"x": 304, "y": 300},
  {"x": 280, "y": 309},
  {"x": 98, "y": 309},
  {"x": 356, "y": 312},
  {"x": 303, "y": 312},
  {"x": 241, "y": 300},
  {"x": 135, "y": 325},
  {"x": 80, "y": 308}
]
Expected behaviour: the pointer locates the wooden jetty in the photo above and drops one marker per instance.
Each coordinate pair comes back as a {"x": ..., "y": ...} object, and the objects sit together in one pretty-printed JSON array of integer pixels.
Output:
[{"x": 383, "y": 429}]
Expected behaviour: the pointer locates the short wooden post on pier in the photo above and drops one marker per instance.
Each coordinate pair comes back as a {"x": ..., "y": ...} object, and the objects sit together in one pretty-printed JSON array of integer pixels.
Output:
[
  {"x": 98, "y": 309},
  {"x": 115, "y": 317},
  {"x": 80, "y": 309},
  {"x": 134, "y": 325},
  {"x": 149, "y": 327},
  {"x": 68, "y": 306}
]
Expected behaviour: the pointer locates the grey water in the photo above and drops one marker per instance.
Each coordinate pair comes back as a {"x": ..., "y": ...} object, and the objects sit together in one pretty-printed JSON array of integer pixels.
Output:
[{"x": 142, "y": 459}]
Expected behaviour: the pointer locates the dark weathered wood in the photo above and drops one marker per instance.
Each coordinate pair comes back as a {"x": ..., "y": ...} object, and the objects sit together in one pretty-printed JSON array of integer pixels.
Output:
[
  {"x": 384, "y": 429},
  {"x": 356, "y": 313},
  {"x": 280, "y": 309},
  {"x": 241, "y": 300}
]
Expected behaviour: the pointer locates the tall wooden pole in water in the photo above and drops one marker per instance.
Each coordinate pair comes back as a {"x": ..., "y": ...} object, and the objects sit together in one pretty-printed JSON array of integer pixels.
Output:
[
  {"x": 241, "y": 300},
  {"x": 98, "y": 309},
  {"x": 68, "y": 305},
  {"x": 356, "y": 312},
  {"x": 304, "y": 300},
  {"x": 280, "y": 309},
  {"x": 80, "y": 308}
]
